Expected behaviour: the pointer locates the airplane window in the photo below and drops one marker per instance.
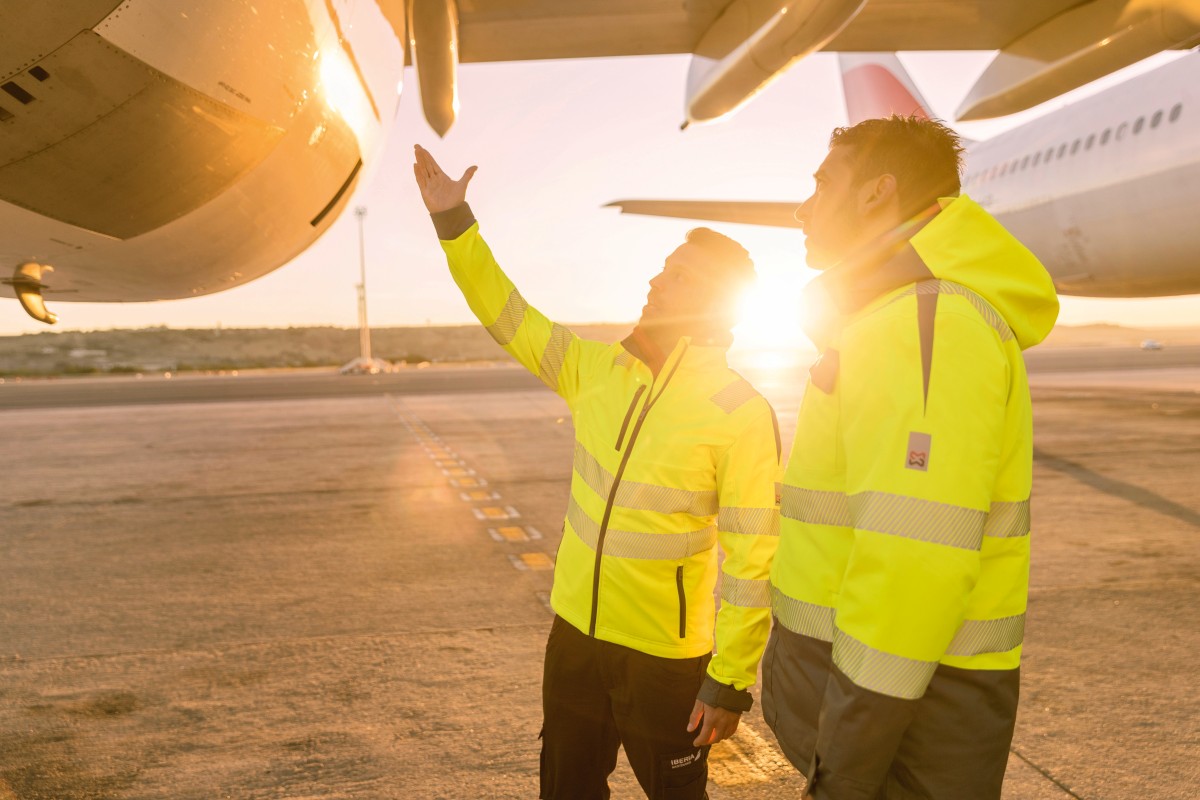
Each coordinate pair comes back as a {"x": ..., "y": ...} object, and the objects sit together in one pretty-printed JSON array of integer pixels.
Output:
[
  {"x": 1003, "y": 169},
  {"x": 1013, "y": 166},
  {"x": 1121, "y": 130},
  {"x": 1137, "y": 126},
  {"x": 1090, "y": 141},
  {"x": 1049, "y": 154},
  {"x": 1024, "y": 162},
  {"x": 1037, "y": 158},
  {"x": 1075, "y": 146},
  {"x": 1175, "y": 112},
  {"x": 1157, "y": 118},
  {"x": 1062, "y": 148},
  {"x": 1104, "y": 137}
]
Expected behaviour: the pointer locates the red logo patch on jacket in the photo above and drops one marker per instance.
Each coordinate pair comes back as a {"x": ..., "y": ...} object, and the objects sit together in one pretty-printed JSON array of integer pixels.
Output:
[{"x": 919, "y": 445}]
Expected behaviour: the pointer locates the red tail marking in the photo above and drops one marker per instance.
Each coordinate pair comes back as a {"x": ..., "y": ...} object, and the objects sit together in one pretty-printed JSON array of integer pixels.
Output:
[{"x": 873, "y": 91}]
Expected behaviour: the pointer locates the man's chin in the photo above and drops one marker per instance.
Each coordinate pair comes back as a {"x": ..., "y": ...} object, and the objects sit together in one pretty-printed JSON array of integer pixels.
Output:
[{"x": 817, "y": 260}]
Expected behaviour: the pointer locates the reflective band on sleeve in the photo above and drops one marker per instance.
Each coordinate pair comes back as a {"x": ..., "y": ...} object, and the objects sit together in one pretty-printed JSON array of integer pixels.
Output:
[
  {"x": 554, "y": 355},
  {"x": 1008, "y": 520},
  {"x": 989, "y": 314},
  {"x": 640, "y": 544},
  {"x": 881, "y": 672},
  {"x": 734, "y": 396},
  {"x": 505, "y": 327},
  {"x": 623, "y": 359},
  {"x": 745, "y": 593},
  {"x": 977, "y": 636},
  {"x": 751, "y": 521},
  {"x": 923, "y": 520},
  {"x": 814, "y": 506},
  {"x": 642, "y": 496},
  {"x": 806, "y": 619}
]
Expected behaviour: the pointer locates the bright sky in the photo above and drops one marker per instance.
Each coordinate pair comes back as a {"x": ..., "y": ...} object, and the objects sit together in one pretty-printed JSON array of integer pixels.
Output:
[{"x": 554, "y": 142}]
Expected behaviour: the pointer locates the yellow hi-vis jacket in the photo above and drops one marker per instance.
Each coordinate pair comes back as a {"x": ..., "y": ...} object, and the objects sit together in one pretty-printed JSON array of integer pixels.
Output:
[
  {"x": 905, "y": 507},
  {"x": 665, "y": 467}
]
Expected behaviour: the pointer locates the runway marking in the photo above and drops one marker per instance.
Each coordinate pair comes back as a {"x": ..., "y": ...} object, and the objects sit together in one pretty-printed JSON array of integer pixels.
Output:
[
  {"x": 544, "y": 599},
  {"x": 534, "y": 562},
  {"x": 458, "y": 472},
  {"x": 478, "y": 494},
  {"x": 509, "y": 533},
  {"x": 495, "y": 512},
  {"x": 442, "y": 463},
  {"x": 514, "y": 533},
  {"x": 465, "y": 483}
]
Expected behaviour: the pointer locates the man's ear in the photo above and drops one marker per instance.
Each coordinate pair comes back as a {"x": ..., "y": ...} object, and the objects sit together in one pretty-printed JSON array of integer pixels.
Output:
[{"x": 878, "y": 194}]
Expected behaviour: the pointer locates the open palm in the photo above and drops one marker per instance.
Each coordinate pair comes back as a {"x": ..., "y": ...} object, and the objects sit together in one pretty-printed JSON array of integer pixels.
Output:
[{"x": 438, "y": 190}]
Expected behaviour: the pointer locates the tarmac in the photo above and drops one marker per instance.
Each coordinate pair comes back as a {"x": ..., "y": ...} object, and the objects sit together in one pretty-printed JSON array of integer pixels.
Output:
[{"x": 303, "y": 585}]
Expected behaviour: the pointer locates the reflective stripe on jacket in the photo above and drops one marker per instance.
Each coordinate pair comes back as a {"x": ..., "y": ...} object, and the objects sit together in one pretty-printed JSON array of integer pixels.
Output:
[
  {"x": 665, "y": 467},
  {"x": 905, "y": 507}
]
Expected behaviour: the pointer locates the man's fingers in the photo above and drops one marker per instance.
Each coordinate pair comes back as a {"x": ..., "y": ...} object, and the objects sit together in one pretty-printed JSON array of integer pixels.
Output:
[
  {"x": 466, "y": 178},
  {"x": 706, "y": 733},
  {"x": 419, "y": 174},
  {"x": 696, "y": 715}
]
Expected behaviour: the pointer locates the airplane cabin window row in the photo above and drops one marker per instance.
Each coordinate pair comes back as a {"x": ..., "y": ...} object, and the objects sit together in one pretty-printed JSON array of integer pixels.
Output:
[{"x": 1071, "y": 148}]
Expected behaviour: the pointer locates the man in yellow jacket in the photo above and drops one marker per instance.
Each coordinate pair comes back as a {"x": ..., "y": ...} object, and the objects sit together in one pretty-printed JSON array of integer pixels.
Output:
[
  {"x": 674, "y": 452},
  {"x": 899, "y": 586}
]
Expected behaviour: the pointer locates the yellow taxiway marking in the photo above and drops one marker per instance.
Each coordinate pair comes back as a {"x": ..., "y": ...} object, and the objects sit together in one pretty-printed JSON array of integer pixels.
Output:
[
  {"x": 468, "y": 482},
  {"x": 513, "y": 533},
  {"x": 495, "y": 512},
  {"x": 482, "y": 494},
  {"x": 458, "y": 472},
  {"x": 538, "y": 562}
]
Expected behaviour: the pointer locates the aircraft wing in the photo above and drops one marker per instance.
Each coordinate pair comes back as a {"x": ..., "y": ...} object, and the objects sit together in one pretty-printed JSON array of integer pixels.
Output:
[
  {"x": 1045, "y": 48},
  {"x": 745, "y": 212},
  {"x": 504, "y": 30}
]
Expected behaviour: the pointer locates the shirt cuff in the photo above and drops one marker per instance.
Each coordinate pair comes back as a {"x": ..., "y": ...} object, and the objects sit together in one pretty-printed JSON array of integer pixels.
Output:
[
  {"x": 720, "y": 695},
  {"x": 453, "y": 222}
]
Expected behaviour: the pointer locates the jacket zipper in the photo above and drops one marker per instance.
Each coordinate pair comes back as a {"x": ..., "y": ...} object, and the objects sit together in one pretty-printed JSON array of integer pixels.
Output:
[
  {"x": 629, "y": 415},
  {"x": 612, "y": 492},
  {"x": 682, "y": 602}
]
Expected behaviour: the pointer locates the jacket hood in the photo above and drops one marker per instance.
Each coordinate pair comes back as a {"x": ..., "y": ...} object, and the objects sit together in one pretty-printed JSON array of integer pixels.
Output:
[{"x": 960, "y": 243}]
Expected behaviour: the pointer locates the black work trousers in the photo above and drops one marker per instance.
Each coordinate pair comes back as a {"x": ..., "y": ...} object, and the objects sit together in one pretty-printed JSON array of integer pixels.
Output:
[{"x": 597, "y": 696}]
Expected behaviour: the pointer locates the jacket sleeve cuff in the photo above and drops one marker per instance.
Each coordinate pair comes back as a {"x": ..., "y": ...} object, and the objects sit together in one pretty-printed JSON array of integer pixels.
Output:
[
  {"x": 720, "y": 695},
  {"x": 453, "y": 222}
]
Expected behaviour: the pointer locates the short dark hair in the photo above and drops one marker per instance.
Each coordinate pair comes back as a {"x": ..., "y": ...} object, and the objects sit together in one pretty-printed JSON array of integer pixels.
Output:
[
  {"x": 734, "y": 258},
  {"x": 924, "y": 155}
]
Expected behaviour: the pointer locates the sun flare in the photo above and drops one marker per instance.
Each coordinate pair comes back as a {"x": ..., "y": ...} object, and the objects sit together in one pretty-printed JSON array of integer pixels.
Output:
[{"x": 771, "y": 315}]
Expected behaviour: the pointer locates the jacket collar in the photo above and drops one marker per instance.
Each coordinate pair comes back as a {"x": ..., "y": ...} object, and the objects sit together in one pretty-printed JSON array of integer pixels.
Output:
[
  {"x": 691, "y": 353},
  {"x": 852, "y": 285}
]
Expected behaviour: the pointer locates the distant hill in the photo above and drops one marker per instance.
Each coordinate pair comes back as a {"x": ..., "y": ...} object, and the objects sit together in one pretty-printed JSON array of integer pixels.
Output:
[
  {"x": 181, "y": 350},
  {"x": 178, "y": 350},
  {"x": 1105, "y": 335}
]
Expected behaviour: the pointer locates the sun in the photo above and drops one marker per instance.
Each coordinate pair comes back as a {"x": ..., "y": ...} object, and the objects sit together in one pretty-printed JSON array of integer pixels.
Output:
[{"x": 770, "y": 314}]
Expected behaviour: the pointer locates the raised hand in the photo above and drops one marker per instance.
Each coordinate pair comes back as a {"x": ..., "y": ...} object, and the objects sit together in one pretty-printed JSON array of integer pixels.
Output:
[{"x": 439, "y": 192}]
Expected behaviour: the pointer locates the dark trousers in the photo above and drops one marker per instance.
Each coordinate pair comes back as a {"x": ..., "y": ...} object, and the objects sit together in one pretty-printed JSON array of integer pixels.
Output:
[{"x": 597, "y": 696}]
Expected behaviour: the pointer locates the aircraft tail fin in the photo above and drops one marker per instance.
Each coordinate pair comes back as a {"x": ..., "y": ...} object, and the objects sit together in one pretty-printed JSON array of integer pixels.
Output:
[{"x": 877, "y": 85}]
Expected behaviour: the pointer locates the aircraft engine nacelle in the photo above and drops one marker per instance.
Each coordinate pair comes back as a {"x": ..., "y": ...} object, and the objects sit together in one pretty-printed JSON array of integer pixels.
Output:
[
  {"x": 751, "y": 44},
  {"x": 1076, "y": 47}
]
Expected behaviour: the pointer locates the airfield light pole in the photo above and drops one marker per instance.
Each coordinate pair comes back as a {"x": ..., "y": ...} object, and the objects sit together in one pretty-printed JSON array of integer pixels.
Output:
[{"x": 364, "y": 333}]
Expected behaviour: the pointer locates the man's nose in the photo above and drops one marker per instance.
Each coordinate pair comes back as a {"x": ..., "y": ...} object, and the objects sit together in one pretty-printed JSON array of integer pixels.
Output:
[{"x": 801, "y": 213}]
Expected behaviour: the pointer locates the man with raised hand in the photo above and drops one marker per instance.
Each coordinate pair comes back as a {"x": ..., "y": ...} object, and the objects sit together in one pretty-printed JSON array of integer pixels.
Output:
[
  {"x": 674, "y": 453},
  {"x": 900, "y": 583}
]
